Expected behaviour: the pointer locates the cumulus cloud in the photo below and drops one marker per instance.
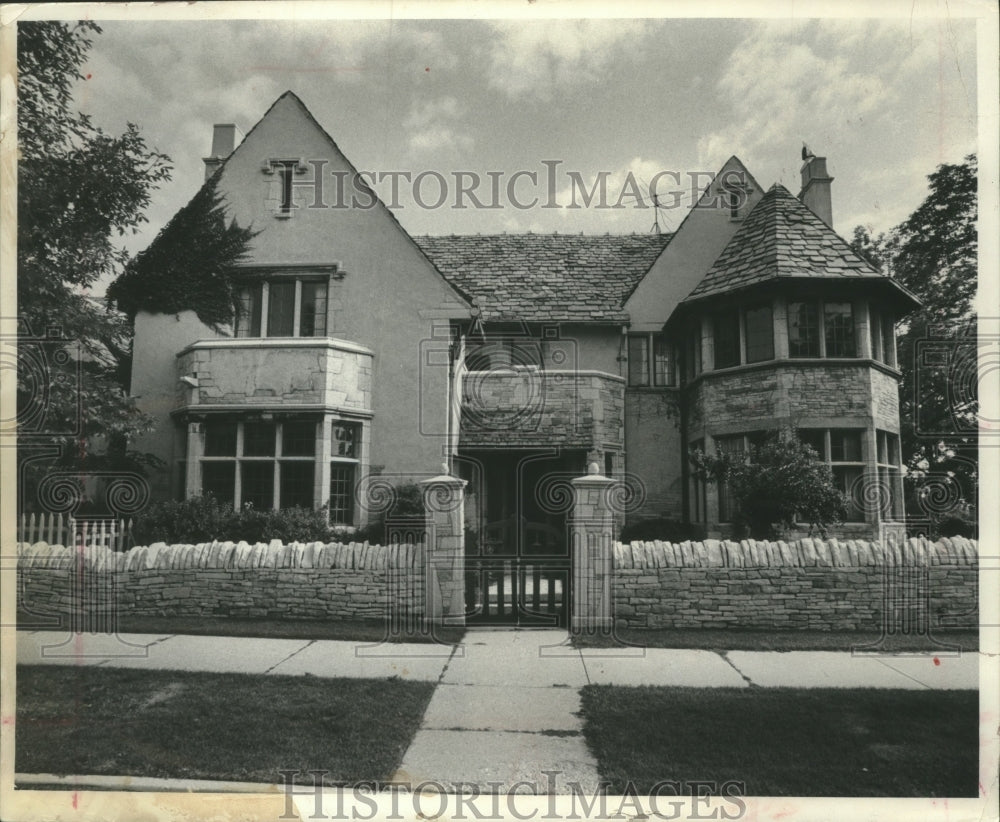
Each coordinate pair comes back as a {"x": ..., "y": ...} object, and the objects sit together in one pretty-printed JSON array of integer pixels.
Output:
[
  {"x": 433, "y": 125},
  {"x": 537, "y": 58},
  {"x": 857, "y": 92}
]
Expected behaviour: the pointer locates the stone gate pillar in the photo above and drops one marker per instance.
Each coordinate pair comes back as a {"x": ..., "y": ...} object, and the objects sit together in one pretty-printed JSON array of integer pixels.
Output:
[
  {"x": 592, "y": 532},
  {"x": 444, "y": 552}
]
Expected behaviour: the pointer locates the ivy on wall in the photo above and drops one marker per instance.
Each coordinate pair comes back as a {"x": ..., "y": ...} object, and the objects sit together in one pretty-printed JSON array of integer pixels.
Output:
[{"x": 189, "y": 266}]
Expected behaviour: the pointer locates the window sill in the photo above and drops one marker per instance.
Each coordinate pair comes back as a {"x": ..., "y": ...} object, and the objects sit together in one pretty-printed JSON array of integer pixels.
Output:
[
  {"x": 277, "y": 342},
  {"x": 791, "y": 362}
]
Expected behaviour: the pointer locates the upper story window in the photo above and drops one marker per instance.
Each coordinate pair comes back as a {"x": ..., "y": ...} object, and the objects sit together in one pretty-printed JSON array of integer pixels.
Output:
[
  {"x": 502, "y": 352},
  {"x": 651, "y": 361},
  {"x": 743, "y": 335},
  {"x": 283, "y": 307},
  {"x": 726, "y": 332},
  {"x": 692, "y": 350},
  {"x": 883, "y": 336},
  {"x": 821, "y": 329},
  {"x": 759, "y": 324},
  {"x": 838, "y": 321}
]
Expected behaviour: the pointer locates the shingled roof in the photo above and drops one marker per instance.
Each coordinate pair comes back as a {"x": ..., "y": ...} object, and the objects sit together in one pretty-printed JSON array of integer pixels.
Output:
[
  {"x": 545, "y": 277},
  {"x": 781, "y": 238}
]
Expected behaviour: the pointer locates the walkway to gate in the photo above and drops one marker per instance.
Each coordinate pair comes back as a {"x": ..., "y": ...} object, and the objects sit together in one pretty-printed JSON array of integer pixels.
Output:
[{"x": 506, "y": 712}]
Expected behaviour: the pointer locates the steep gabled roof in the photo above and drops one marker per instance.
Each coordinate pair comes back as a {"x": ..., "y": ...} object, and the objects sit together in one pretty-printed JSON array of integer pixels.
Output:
[
  {"x": 546, "y": 277},
  {"x": 781, "y": 238}
]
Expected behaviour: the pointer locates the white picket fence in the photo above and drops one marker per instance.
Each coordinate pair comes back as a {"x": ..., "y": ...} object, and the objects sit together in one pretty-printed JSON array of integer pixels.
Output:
[{"x": 60, "y": 529}]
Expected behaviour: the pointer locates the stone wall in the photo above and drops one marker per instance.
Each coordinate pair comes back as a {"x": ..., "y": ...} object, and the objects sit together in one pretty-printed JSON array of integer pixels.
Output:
[
  {"x": 807, "y": 584},
  {"x": 298, "y": 581},
  {"x": 525, "y": 408}
]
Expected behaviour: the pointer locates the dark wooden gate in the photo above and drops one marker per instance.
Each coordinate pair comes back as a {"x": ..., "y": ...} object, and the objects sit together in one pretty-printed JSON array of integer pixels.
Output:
[{"x": 519, "y": 576}]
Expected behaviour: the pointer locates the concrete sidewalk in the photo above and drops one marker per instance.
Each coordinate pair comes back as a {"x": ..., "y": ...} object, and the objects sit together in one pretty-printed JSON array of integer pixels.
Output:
[{"x": 502, "y": 659}]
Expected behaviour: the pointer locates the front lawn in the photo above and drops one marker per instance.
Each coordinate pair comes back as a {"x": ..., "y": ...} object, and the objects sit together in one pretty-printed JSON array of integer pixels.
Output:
[
  {"x": 93, "y": 720},
  {"x": 787, "y": 741}
]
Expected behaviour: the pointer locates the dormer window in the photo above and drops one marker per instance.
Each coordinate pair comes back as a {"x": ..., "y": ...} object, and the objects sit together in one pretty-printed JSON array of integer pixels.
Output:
[{"x": 283, "y": 307}]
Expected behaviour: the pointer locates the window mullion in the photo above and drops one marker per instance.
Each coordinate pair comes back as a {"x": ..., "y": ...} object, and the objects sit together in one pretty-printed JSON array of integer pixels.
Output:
[
  {"x": 264, "y": 305},
  {"x": 238, "y": 468},
  {"x": 821, "y": 325},
  {"x": 651, "y": 360},
  {"x": 276, "y": 483},
  {"x": 297, "y": 308}
]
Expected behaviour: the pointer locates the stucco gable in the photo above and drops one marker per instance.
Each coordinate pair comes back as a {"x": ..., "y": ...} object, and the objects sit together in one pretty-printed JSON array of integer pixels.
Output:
[
  {"x": 697, "y": 243},
  {"x": 349, "y": 226}
]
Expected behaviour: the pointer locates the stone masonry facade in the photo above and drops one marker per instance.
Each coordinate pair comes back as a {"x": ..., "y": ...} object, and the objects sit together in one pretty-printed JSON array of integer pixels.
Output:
[
  {"x": 526, "y": 408},
  {"x": 240, "y": 373},
  {"x": 789, "y": 391}
]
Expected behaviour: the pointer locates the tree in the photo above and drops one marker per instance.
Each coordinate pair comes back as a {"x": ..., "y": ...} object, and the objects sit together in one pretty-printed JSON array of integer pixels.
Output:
[
  {"x": 934, "y": 253},
  {"x": 79, "y": 191},
  {"x": 778, "y": 483},
  {"x": 189, "y": 265}
]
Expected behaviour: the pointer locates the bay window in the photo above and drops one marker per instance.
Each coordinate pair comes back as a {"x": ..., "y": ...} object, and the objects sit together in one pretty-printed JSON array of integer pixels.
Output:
[
  {"x": 344, "y": 455},
  {"x": 260, "y": 463},
  {"x": 841, "y": 449},
  {"x": 889, "y": 473}
]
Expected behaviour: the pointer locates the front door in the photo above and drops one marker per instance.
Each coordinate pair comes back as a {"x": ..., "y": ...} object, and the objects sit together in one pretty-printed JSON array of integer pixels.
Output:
[{"x": 518, "y": 565}]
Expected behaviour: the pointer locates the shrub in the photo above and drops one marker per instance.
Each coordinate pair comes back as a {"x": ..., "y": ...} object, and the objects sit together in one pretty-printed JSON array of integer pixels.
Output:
[
  {"x": 659, "y": 528},
  {"x": 956, "y": 526},
  {"x": 778, "y": 483},
  {"x": 407, "y": 504},
  {"x": 203, "y": 519},
  {"x": 198, "y": 519}
]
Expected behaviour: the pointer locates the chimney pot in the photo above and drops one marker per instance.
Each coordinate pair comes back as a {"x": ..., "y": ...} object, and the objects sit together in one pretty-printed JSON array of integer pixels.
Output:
[{"x": 225, "y": 138}]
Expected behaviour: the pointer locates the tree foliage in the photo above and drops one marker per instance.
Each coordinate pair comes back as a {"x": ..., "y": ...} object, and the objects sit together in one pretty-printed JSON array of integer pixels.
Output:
[
  {"x": 779, "y": 483},
  {"x": 79, "y": 191},
  {"x": 934, "y": 253},
  {"x": 189, "y": 265}
]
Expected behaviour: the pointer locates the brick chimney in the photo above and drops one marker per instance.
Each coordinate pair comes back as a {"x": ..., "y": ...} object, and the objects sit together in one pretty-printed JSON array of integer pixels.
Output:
[
  {"x": 816, "y": 189},
  {"x": 225, "y": 137}
]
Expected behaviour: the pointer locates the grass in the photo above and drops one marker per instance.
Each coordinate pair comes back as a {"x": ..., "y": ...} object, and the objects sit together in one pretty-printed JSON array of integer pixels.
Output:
[
  {"x": 787, "y": 741},
  {"x": 116, "y": 721},
  {"x": 723, "y": 639},
  {"x": 351, "y": 631}
]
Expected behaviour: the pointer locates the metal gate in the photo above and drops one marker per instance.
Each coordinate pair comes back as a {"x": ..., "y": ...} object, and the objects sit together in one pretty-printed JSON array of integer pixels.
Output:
[{"x": 520, "y": 576}]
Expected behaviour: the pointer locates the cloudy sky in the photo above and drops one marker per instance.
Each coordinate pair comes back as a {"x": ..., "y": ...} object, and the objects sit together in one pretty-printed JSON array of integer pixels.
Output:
[{"x": 884, "y": 100}]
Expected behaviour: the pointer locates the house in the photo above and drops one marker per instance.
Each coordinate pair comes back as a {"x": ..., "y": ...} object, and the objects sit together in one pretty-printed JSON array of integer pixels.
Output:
[{"x": 363, "y": 356}]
